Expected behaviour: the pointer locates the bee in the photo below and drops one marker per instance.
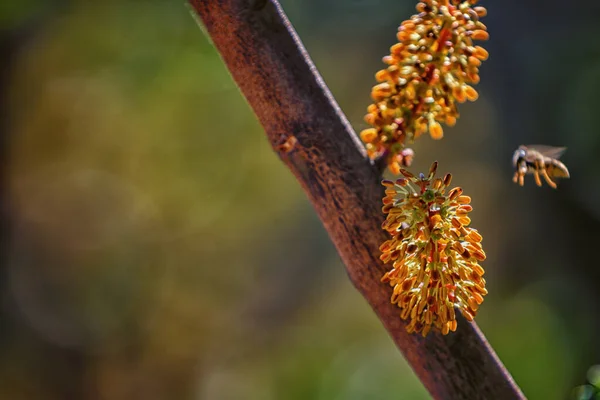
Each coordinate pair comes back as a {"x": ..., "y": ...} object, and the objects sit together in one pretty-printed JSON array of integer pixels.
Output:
[{"x": 539, "y": 160}]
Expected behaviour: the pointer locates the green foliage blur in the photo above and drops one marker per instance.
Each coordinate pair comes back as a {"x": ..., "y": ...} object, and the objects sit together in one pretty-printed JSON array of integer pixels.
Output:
[
  {"x": 590, "y": 390},
  {"x": 155, "y": 247}
]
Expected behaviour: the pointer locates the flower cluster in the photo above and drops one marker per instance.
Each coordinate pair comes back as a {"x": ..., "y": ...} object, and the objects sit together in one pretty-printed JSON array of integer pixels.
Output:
[
  {"x": 435, "y": 254},
  {"x": 430, "y": 71}
]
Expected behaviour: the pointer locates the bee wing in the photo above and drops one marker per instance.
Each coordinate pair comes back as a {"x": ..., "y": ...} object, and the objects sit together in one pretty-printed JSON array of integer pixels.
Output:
[{"x": 548, "y": 151}]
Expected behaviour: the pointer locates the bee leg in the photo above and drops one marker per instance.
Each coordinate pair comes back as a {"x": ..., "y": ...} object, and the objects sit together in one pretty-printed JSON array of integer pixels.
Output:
[
  {"x": 515, "y": 177},
  {"x": 521, "y": 179},
  {"x": 536, "y": 175},
  {"x": 549, "y": 181}
]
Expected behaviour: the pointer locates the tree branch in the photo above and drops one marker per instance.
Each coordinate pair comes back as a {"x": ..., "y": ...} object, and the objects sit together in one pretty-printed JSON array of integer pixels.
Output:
[{"x": 314, "y": 139}]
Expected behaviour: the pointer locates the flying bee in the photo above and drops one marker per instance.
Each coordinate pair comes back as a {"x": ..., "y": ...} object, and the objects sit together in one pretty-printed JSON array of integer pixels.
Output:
[{"x": 539, "y": 160}]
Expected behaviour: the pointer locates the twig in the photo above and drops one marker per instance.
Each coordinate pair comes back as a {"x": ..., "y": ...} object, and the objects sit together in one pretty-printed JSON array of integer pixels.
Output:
[{"x": 277, "y": 77}]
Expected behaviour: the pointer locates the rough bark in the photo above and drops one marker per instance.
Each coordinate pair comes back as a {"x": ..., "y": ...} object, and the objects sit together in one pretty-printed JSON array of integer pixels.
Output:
[{"x": 314, "y": 139}]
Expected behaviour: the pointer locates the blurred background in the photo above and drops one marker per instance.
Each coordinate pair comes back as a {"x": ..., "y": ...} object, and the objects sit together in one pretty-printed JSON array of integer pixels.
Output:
[{"x": 153, "y": 246}]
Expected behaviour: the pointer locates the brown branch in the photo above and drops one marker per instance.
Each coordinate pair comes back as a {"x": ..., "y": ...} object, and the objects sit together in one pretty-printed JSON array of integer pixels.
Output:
[{"x": 313, "y": 138}]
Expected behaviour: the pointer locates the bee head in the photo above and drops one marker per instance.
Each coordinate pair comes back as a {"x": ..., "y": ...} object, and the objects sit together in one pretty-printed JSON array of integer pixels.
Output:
[{"x": 519, "y": 155}]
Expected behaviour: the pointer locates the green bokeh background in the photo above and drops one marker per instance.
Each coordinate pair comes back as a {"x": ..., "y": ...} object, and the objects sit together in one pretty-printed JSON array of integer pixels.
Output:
[{"x": 154, "y": 246}]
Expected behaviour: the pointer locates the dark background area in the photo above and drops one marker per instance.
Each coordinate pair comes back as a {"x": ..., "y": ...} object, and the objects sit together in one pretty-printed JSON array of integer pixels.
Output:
[{"x": 153, "y": 246}]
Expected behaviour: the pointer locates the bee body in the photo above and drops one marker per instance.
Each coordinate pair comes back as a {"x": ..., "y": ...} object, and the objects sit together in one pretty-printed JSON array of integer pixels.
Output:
[{"x": 541, "y": 161}]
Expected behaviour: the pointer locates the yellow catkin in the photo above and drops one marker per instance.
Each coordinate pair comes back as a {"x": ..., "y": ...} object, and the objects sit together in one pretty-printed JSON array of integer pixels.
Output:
[
  {"x": 429, "y": 72},
  {"x": 435, "y": 258}
]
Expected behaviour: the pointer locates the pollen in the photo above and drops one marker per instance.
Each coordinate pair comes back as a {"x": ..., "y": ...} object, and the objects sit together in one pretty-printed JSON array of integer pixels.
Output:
[
  {"x": 471, "y": 93},
  {"x": 368, "y": 135},
  {"x": 434, "y": 254},
  {"x": 435, "y": 130},
  {"x": 480, "y": 34}
]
